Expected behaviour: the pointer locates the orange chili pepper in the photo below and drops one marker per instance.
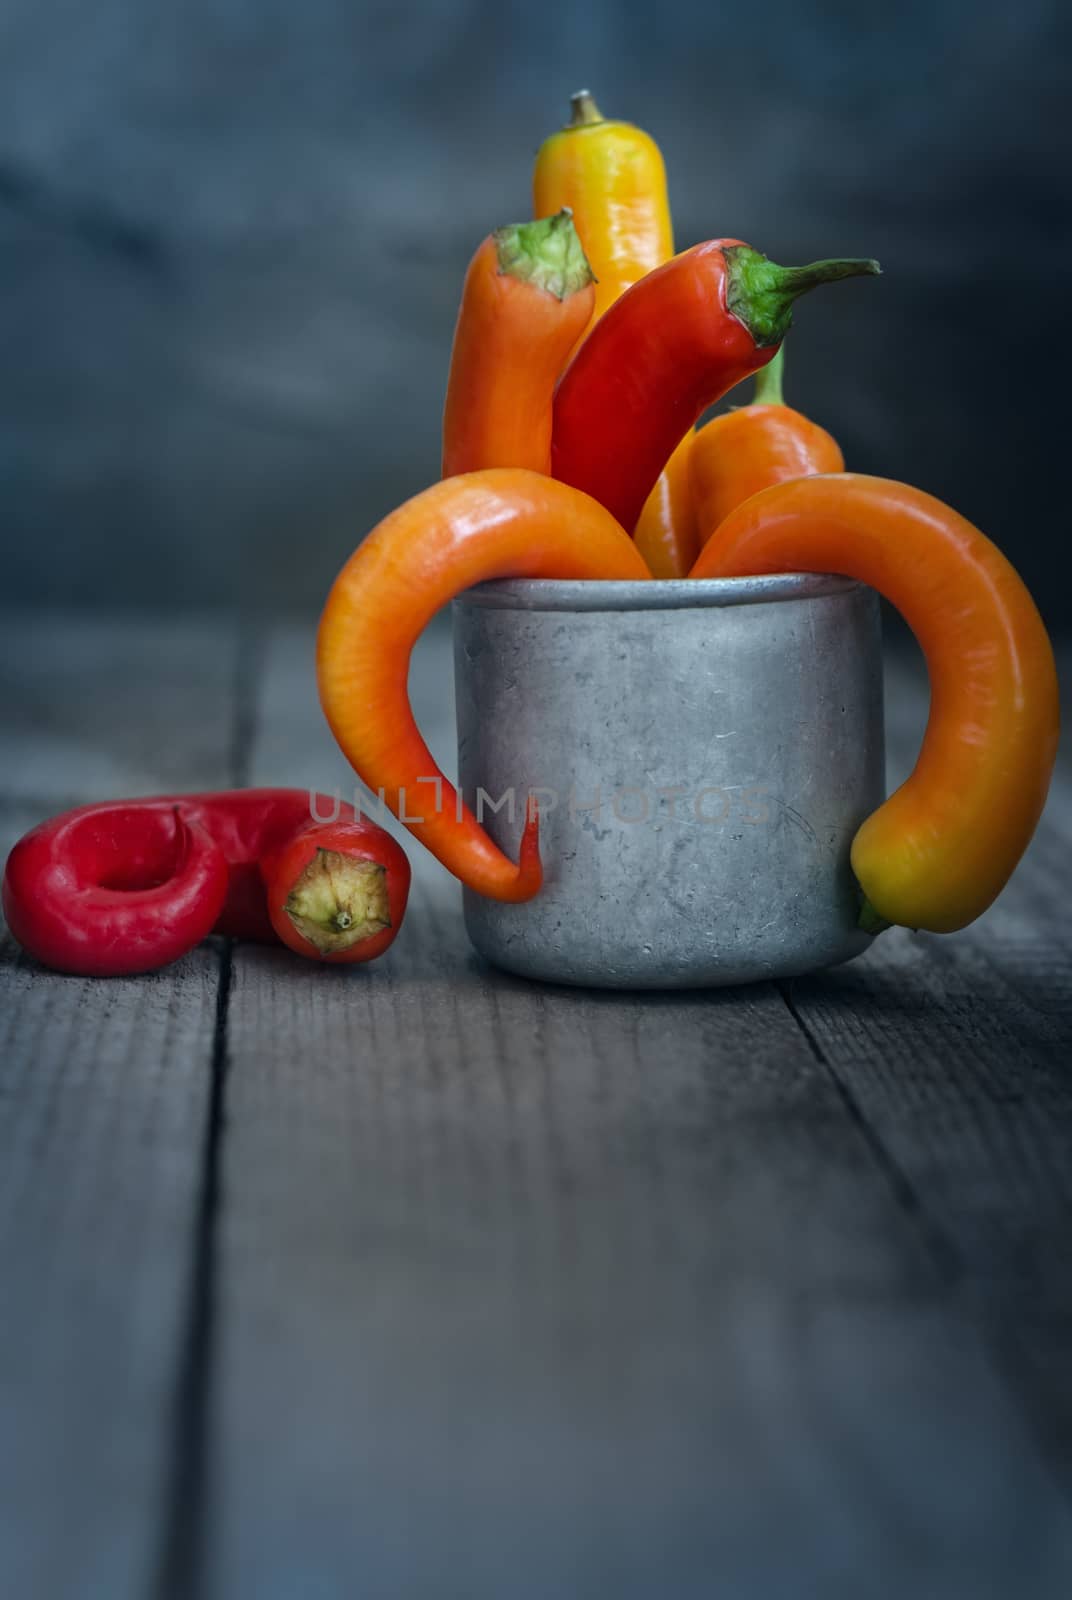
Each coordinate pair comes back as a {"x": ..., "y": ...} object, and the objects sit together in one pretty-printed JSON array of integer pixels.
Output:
[
  {"x": 667, "y": 533},
  {"x": 504, "y": 523},
  {"x": 944, "y": 845},
  {"x": 612, "y": 177},
  {"x": 748, "y": 449},
  {"x": 528, "y": 297}
]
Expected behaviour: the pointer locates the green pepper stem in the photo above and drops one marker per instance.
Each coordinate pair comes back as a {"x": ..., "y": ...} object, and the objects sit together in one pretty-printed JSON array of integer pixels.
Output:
[
  {"x": 760, "y": 293},
  {"x": 585, "y": 110},
  {"x": 546, "y": 253},
  {"x": 798, "y": 280},
  {"x": 769, "y": 381}
]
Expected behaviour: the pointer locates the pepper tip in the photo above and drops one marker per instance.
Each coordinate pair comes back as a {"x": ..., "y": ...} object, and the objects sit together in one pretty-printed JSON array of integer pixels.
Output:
[
  {"x": 529, "y": 866},
  {"x": 869, "y": 920}
]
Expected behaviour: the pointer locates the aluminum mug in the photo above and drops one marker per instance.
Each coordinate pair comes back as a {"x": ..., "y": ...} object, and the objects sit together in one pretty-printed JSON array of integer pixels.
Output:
[{"x": 702, "y": 753}]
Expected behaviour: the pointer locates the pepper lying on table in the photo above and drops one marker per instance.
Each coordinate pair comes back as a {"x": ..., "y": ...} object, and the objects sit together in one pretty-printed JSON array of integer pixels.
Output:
[{"x": 128, "y": 885}]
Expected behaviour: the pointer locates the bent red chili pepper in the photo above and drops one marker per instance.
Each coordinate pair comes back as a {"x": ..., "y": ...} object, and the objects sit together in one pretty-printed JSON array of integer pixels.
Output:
[
  {"x": 114, "y": 889},
  {"x": 127, "y": 886},
  {"x": 670, "y": 347}
]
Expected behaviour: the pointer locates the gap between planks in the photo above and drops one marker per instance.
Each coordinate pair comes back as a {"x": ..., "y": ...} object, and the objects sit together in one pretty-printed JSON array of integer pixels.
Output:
[
  {"x": 104, "y": 1094},
  {"x": 1021, "y": 1031},
  {"x": 872, "y": 1144},
  {"x": 181, "y": 1558}
]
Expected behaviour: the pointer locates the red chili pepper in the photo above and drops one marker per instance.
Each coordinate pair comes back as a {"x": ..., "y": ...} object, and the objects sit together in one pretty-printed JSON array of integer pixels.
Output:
[
  {"x": 127, "y": 886},
  {"x": 670, "y": 347}
]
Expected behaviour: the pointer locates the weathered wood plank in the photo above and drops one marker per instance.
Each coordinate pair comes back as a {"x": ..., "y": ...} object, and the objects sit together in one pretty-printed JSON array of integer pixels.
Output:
[
  {"x": 531, "y": 1291},
  {"x": 104, "y": 1095},
  {"x": 955, "y": 1052},
  {"x": 102, "y": 1109}
]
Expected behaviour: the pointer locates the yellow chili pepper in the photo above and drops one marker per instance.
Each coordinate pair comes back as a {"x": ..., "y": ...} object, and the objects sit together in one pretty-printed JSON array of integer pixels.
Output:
[{"x": 611, "y": 176}]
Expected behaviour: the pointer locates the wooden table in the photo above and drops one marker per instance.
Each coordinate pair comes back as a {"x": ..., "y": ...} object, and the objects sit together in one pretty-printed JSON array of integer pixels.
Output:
[{"x": 418, "y": 1280}]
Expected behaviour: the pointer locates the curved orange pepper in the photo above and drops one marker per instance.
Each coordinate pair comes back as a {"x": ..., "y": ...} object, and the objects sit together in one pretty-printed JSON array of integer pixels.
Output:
[
  {"x": 736, "y": 455},
  {"x": 502, "y": 523},
  {"x": 944, "y": 845}
]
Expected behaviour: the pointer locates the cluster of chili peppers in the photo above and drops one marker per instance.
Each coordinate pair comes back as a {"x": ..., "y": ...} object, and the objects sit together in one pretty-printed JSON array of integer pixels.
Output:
[
  {"x": 126, "y": 886},
  {"x": 584, "y": 355},
  {"x": 570, "y": 449}
]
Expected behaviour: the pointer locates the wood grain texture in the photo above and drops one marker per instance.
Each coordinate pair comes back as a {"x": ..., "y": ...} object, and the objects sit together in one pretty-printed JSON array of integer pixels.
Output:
[
  {"x": 529, "y": 1291},
  {"x": 955, "y": 1053},
  {"x": 103, "y": 1099},
  {"x": 104, "y": 1093},
  {"x": 421, "y": 1280}
]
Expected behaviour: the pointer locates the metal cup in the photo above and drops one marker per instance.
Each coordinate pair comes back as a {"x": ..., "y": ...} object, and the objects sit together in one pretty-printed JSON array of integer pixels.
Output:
[{"x": 702, "y": 753}]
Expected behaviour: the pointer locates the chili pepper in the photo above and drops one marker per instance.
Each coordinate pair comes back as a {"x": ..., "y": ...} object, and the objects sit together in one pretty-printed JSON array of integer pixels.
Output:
[
  {"x": 667, "y": 533},
  {"x": 127, "y": 886},
  {"x": 943, "y": 846},
  {"x": 334, "y": 890},
  {"x": 612, "y": 177},
  {"x": 528, "y": 296},
  {"x": 494, "y": 524},
  {"x": 114, "y": 889},
  {"x": 337, "y": 892},
  {"x": 671, "y": 346},
  {"x": 750, "y": 448}
]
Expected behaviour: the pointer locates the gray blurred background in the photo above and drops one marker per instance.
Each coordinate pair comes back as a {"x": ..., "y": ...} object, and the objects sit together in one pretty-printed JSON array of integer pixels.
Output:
[{"x": 232, "y": 236}]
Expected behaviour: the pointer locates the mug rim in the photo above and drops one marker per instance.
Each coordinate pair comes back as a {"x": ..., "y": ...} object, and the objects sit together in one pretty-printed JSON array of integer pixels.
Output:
[{"x": 648, "y": 594}]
